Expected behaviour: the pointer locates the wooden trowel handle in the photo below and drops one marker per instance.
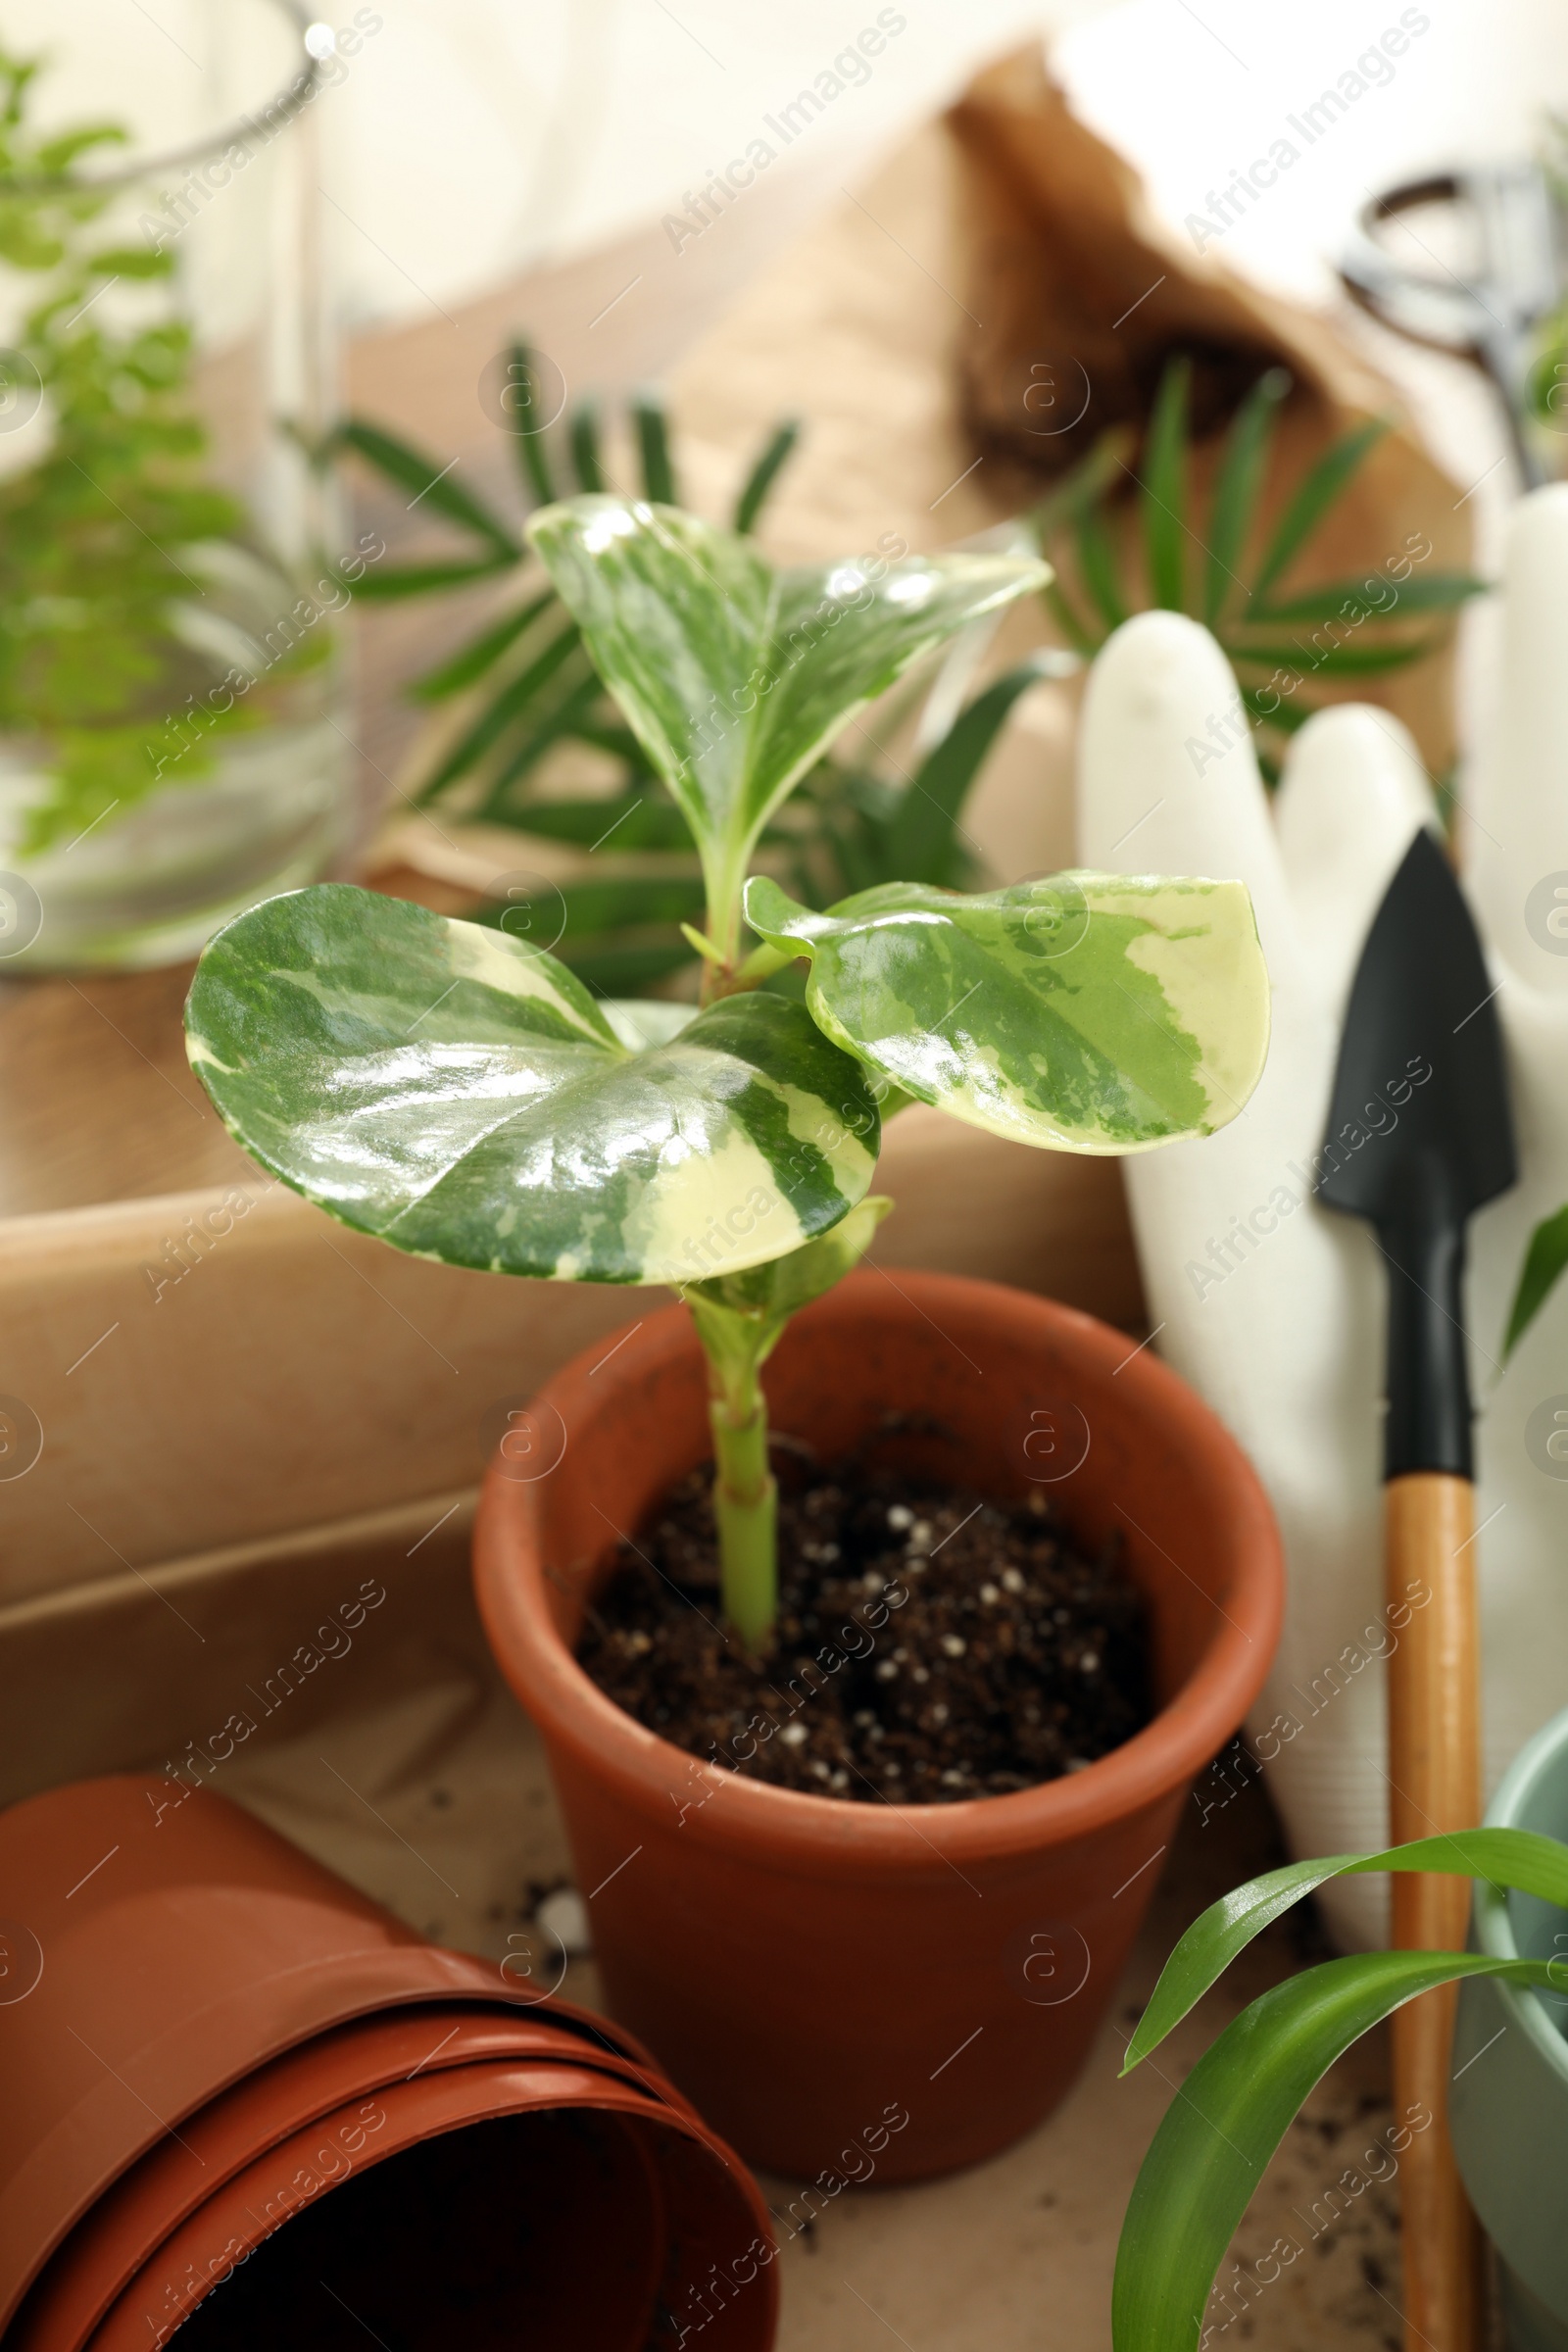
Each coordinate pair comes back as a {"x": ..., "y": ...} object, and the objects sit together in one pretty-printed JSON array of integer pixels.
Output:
[{"x": 1435, "y": 1776}]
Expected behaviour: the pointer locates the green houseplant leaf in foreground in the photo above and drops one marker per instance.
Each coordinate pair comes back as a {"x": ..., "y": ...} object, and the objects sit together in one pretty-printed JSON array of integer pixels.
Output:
[
  {"x": 1545, "y": 1260},
  {"x": 460, "y": 1093},
  {"x": 1234, "y": 2108}
]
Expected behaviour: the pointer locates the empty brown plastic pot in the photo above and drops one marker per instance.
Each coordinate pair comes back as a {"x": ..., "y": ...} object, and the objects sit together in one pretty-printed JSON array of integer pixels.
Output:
[
  {"x": 246, "y": 2104},
  {"x": 867, "y": 1990}
]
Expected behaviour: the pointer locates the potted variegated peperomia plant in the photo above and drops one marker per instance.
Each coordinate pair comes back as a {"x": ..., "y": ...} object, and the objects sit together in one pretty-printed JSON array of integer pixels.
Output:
[{"x": 456, "y": 1091}]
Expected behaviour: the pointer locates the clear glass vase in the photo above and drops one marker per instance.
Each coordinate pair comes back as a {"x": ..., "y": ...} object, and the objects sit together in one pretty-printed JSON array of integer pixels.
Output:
[{"x": 173, "y": 742}]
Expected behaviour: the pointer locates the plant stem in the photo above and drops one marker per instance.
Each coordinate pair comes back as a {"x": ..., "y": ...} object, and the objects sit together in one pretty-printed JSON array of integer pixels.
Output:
[
  {"x": 724, "y": 875},
  {"x": 746, "y": 1508}
]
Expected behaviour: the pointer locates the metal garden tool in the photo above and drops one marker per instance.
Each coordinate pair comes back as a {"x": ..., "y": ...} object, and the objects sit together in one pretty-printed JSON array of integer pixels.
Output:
[
  {"x": 1491, "y": 305},
  {"x": 1419, "y": 1138}
]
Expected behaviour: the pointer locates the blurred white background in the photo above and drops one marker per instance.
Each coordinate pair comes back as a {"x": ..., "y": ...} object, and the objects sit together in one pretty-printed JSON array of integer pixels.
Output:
[{"x": 470, "y": 141}]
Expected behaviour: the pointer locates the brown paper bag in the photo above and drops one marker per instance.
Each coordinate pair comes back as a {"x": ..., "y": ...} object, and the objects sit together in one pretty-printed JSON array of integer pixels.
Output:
[{"x": 1084, "y": 296}]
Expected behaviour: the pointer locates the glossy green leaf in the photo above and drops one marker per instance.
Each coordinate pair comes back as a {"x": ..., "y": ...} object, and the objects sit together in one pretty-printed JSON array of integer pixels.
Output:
[
  {"x": 1163, "y": 490},
  {"x": 1229, "y": 2115},
  {"x": 431, "y": 484},
  {"x": 763, "y": 474},
  {"x": 1545, "y": 1260},
  {"x": 735, "y": 677},
  {"x": 1094, "y": 1013},
  {"x": 1237, "y": 486},
  {"x": 462, "y": 1096},
  {"x": 1508, "y": 1857},
  {"x": 648, "y": 1020}
]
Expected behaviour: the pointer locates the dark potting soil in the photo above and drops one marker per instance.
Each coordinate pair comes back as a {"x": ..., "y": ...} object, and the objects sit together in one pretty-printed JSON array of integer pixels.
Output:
[{"x": 930, "y": 1645}]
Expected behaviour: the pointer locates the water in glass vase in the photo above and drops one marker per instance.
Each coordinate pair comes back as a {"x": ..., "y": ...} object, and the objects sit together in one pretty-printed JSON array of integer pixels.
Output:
[{"x": 172, "y": 563}]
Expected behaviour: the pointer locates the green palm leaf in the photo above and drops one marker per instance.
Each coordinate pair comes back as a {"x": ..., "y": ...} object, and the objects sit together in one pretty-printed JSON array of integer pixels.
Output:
[
  {"x": 1545, "y": 1260},
  {"x": 563, "y": 721},
  {"x": 1437, "y": 592},
  {"x": 1097, "y": 566},
  {"x": 616, "y": 968},
  {"x": 431, "y": 484},
  {"x": 1342, "y": 660},
  {"x": 1286, "y": 717},
  {"x": 390, "y": 585},
  {"x": 527, "y": 431},
  {"x": 586, "y": 462},
  {"x": 588, "y": 909},
  {"x": 481, "y": 653},
  {"x": 502, "y": 711},
  {"x": 765, "y": 472},
  {"x": 1236, "y": 488},
  {"x": 1163, "y": 489},
  {"x": 653, "y": 443},
  {"x": 1323, "y": 485},
  {"x": 630, "y": 820}
]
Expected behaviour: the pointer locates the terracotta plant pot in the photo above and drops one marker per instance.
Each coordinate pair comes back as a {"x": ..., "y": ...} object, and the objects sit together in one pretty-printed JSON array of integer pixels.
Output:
[
  {"x": 1508, "y": 2100},
  {"x": 876, "y": 1991},
  {"x": 213, "y": 2050}
]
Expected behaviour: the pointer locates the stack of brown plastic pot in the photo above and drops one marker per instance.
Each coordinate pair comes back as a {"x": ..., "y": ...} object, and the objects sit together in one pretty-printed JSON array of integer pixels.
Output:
[{"x": 240, "y": 2101}]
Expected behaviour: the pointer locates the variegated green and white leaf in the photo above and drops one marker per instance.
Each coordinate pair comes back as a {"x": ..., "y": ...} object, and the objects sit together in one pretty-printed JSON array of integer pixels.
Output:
[
  {"x": 1095, "y": 1012},
  {"x": 735, "y": 677},
  {"x": 460, "y": 1095}
]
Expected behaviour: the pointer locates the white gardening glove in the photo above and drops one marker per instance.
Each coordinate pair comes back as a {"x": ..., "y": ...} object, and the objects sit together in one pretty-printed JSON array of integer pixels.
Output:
[{"x": 1270, "y": 1304}]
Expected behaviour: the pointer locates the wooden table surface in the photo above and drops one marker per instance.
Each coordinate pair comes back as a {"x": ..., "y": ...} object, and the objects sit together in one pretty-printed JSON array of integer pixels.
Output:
[{"x": 99, "y": 1103}]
